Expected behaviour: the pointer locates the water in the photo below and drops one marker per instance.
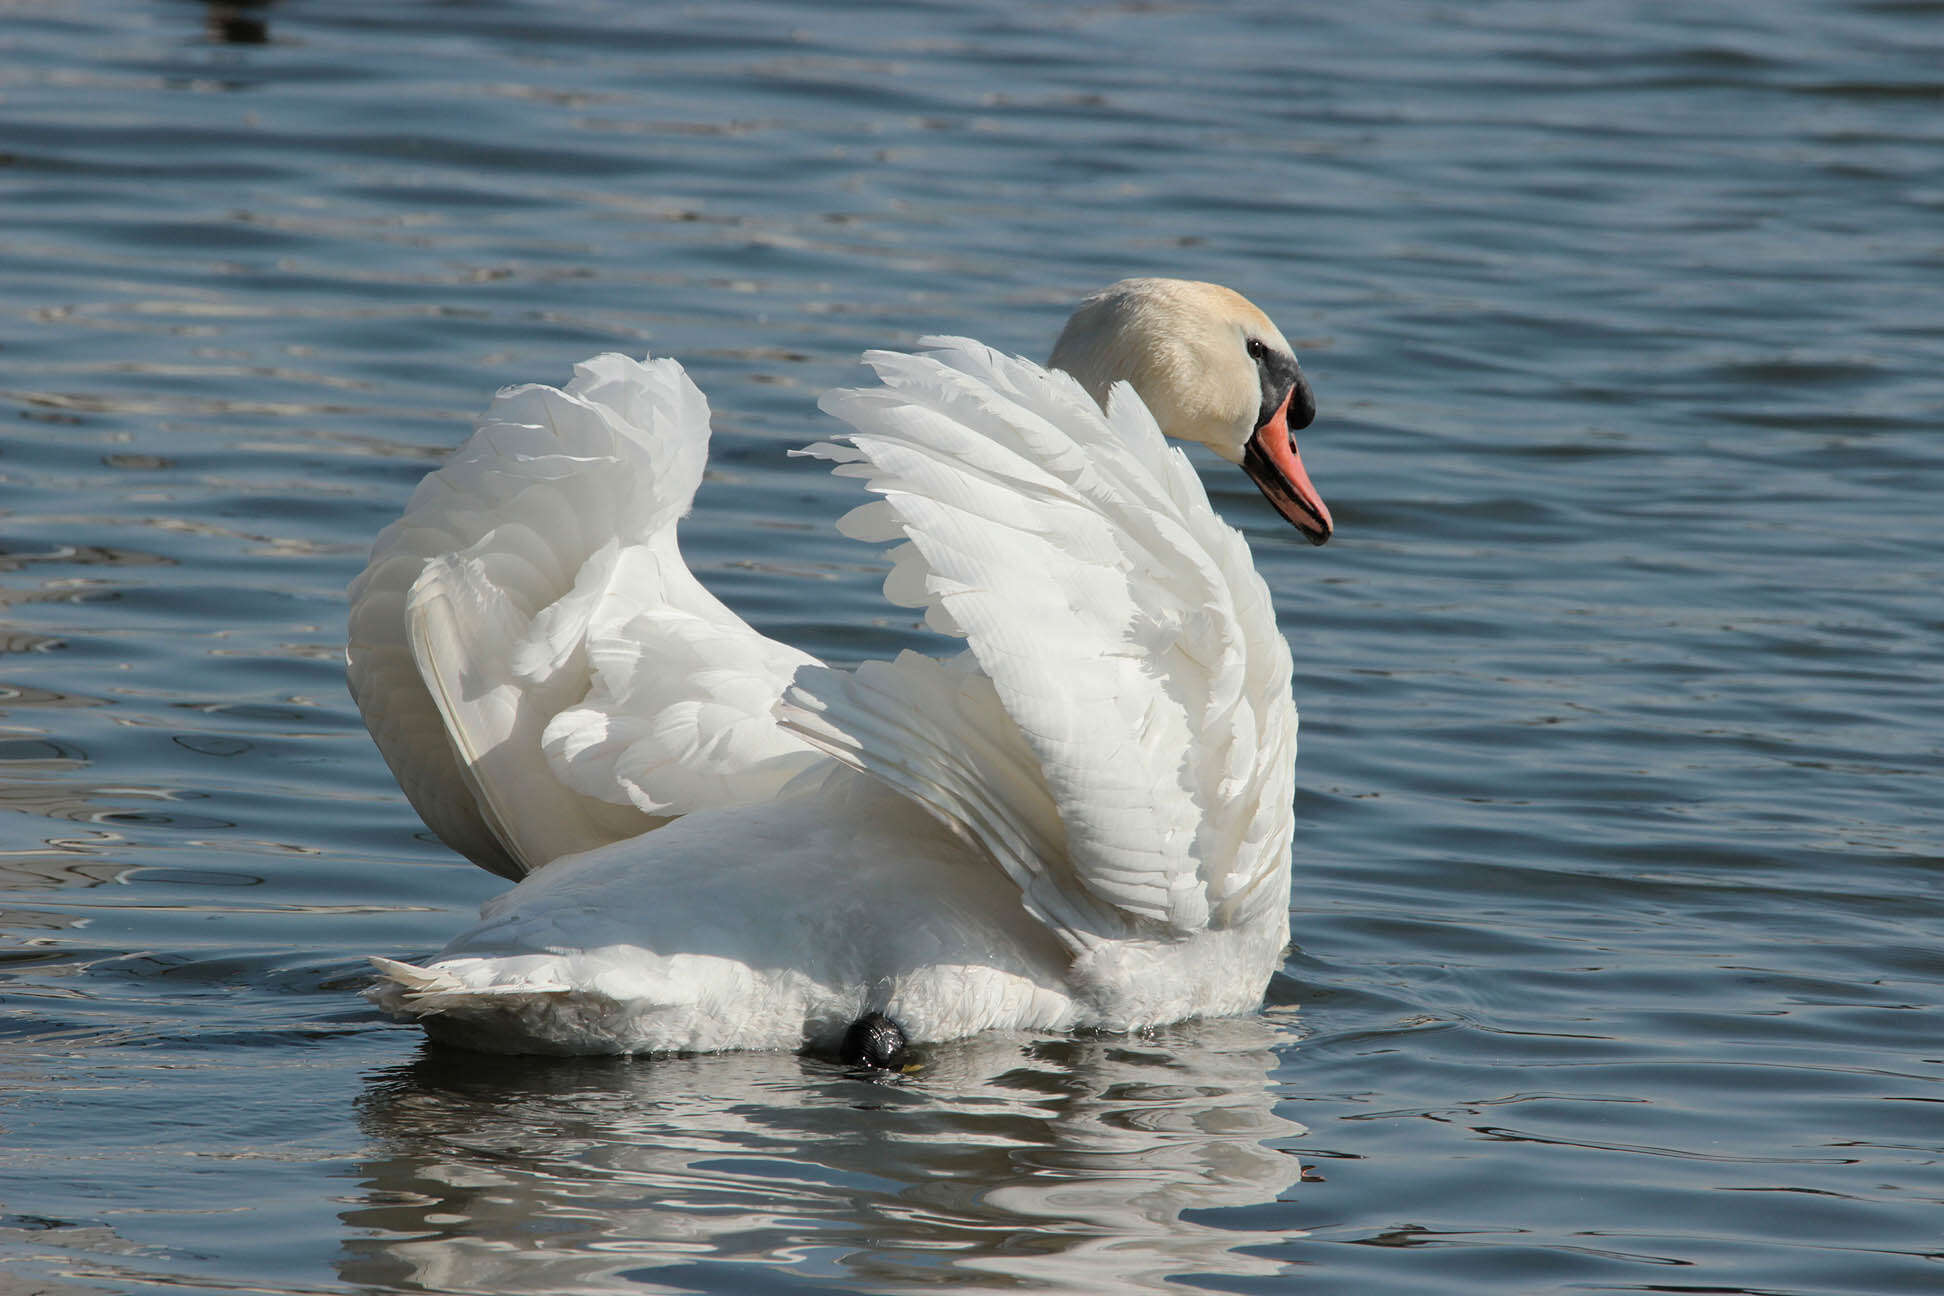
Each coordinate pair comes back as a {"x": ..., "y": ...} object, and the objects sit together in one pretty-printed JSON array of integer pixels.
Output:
[{"x": 1619, "y": 850}]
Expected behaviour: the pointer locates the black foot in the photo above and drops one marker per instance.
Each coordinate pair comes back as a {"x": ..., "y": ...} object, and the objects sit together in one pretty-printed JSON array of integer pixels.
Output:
[{"x": 875, "y": 1041}]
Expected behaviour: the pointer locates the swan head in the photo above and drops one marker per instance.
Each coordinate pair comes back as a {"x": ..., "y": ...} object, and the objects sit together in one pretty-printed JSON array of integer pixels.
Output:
[{"x": 1211, "y": 368}]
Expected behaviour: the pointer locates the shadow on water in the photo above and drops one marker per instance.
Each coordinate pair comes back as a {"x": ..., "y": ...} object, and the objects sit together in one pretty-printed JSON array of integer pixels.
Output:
[{"x": 1071, "y": 1162}]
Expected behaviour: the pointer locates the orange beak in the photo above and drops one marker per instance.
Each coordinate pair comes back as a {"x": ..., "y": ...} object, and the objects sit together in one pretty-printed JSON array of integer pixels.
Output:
[{"x": 1270, "y": 459}]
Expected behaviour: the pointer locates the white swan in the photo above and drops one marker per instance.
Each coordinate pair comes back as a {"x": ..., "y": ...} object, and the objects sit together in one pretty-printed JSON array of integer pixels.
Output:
[{"x": 1084, "y": 820}]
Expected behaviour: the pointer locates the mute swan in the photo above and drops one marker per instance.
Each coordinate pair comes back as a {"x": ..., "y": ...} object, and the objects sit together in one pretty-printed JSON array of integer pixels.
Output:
[{"x": 1084, "y": 820}]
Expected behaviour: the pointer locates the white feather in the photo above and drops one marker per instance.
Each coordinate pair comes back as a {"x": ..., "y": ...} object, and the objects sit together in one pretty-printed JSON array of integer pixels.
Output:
[
  {"x": 1121, "y": 622},
  {"x": 539, "y": 666}
]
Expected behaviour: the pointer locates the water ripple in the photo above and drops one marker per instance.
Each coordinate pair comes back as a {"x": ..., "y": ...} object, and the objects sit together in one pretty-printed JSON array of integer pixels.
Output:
[{"x": 1617, "y": 907}]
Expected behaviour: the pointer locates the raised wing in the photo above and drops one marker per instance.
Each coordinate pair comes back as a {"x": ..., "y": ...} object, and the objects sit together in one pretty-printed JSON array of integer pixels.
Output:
[
  {"x": 538, "y": 665},
  {"x": 1127, "y": 754}
]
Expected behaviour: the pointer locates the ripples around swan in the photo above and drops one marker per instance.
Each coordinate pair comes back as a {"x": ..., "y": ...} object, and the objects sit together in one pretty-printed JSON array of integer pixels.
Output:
[{"x": 1077, "y": 1163}]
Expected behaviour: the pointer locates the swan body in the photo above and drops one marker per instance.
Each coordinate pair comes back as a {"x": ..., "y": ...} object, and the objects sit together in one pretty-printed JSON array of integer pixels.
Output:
[{"x": 1082, "y": 820}]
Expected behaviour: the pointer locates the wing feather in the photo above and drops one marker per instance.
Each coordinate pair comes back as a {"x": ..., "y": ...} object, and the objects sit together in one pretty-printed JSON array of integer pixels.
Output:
[
  {"x": 1129, "y": 645},
  {"x": 538, "y": 665}
]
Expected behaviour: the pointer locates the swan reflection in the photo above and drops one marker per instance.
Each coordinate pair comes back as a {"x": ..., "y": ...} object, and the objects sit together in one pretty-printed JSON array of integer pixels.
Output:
[{"x": 1069, "y": 1162}]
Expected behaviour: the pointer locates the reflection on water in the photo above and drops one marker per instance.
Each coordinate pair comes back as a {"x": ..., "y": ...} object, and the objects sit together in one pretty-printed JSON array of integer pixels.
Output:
[{"x": 1071, "y": 1163}]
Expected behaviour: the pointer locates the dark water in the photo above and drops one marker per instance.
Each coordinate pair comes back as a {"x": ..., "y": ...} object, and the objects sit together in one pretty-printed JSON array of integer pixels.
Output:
[{"x": 1620, "y": 846}]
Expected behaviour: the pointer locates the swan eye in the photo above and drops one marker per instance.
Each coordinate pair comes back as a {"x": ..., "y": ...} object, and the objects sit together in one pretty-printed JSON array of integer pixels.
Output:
[{"x": 1256, "y": 349}]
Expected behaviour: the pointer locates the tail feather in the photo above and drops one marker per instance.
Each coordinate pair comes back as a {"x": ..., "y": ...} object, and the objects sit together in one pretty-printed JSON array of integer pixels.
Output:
[{"x": 532, "y": 1011}]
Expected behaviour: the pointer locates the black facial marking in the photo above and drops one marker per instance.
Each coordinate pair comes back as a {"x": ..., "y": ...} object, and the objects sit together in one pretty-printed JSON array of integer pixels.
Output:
[{"x": 1280, "y": 375}]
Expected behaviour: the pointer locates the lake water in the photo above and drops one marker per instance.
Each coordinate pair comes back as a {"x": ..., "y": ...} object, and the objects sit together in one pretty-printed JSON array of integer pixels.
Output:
[{"x": 1619, "y": 879}]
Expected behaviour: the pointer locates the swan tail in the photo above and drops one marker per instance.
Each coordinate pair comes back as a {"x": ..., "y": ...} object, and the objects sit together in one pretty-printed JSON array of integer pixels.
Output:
[
  {"x": 566, "y": 1006},
  {"x": 403, "y": 985},
  {"x": 512, "y": 1017}
]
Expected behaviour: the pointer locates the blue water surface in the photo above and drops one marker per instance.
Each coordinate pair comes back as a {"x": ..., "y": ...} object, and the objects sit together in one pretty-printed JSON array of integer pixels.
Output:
[{"x": 1619, "y": 854}]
